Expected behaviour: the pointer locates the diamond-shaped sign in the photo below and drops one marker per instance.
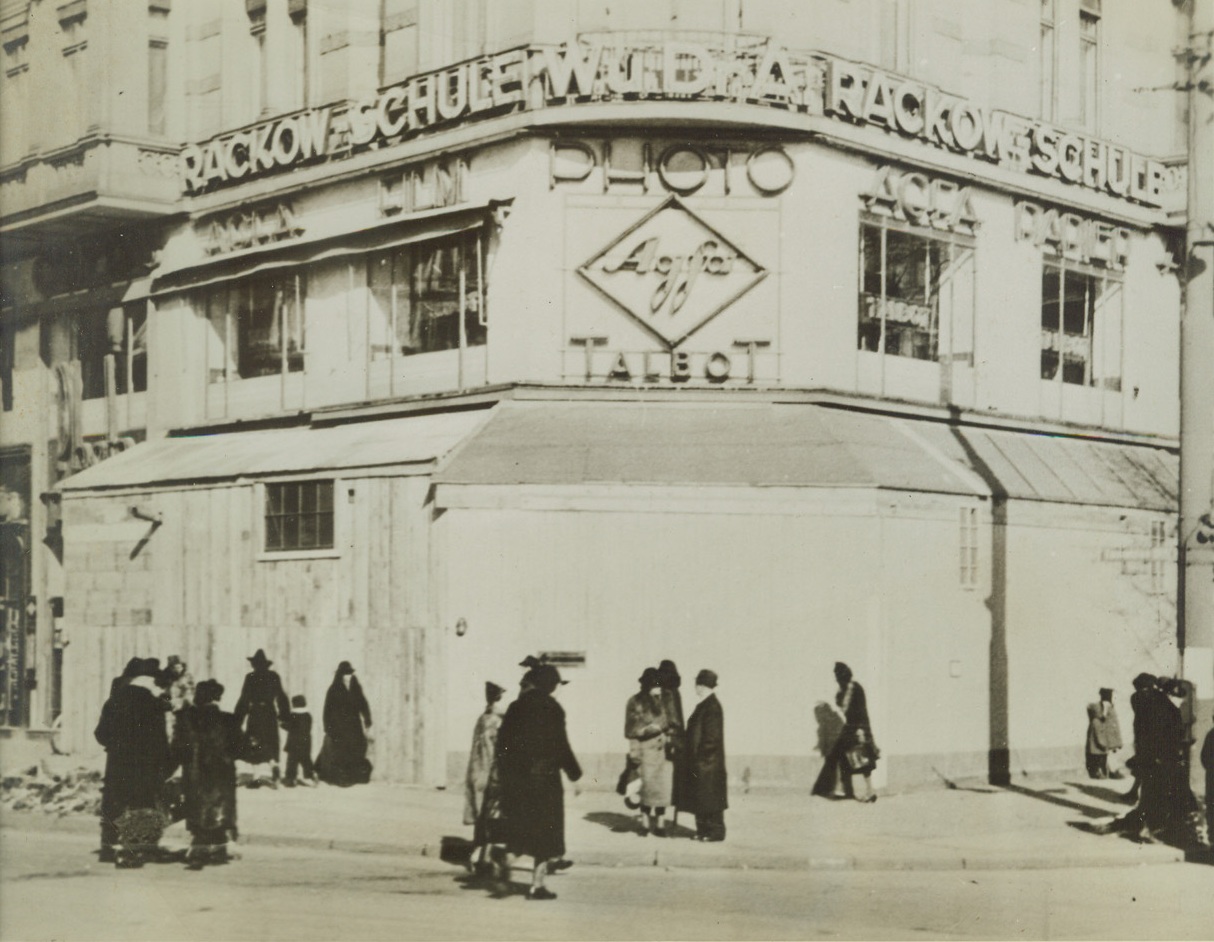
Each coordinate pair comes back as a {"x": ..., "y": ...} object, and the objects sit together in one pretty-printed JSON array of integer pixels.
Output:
[{"x": 672, "y": 272}]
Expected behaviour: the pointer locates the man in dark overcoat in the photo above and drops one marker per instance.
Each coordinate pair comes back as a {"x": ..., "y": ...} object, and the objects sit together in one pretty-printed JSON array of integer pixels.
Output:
[
  {"x": 706, "y": 779},
  {"x": 532, "y": 750},
  {"x": 132, "y": 731},
  {"x": 264, "y": 704}
]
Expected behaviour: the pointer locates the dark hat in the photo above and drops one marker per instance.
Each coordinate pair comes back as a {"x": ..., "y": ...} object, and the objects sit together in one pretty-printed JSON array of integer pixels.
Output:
[
  {"x": 299, "y": 700},
  {"x": 1106, "y": 693},
  {"x": 670, "y": 675},
  {"x": 345, "y": 667},
  {"x": 209, "y": 691},
  {"x": 142, "y": 667},
  {"x": 650, "y": 677},
  {"x": 706, "y": 678},
  {"x": 173, "y": 661},
  {"x": 546, "y": 678},
  {"x": 531, "y": 662},
  {"x": 493, "y": 692},
  {"x": 1174, "y": 686},
  {"x": 259, "y": 659},
  {"x": 1145, "y": 680},
  {"x": 132, "y": 667}
]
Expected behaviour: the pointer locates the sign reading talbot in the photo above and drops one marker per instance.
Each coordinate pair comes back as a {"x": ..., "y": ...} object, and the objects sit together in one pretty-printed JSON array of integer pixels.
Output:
[{"x": 672, "y": 272}]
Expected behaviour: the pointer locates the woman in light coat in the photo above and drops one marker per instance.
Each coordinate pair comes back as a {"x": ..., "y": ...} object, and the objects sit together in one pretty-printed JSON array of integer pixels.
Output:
[{"x": 648, "y": 726}]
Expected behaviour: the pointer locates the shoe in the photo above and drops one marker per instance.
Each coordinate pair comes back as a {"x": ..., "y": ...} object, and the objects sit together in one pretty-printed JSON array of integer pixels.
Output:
[
  {"x": 540, "y": 893},
  {"x": 107, "y": 855},
  {"x": 659, "y": 832},
  {"x": 868, "y": 799},
  {"x": 558, "y": 865}
]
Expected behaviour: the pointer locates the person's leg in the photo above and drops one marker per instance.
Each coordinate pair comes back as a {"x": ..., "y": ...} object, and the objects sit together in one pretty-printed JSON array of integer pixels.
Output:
[
  {"x": 538, "y": 889},
  {"x": 869, "y": 795},
  {"x": 714, "y": 825},
  {"x": 659, "y": 827},
  {"x": 309, "y": 770},
  {"x": 647, "y": 822},
  {"x": 292, "y": 768}
]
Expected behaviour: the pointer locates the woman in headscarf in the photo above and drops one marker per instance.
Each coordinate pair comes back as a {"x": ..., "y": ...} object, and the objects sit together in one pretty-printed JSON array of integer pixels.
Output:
[
  {"x": 854, "y": 751},
  {"x": 648, "y": 725},
  {"x": 205, "y": 742},
  {"x": 263, "y": 704},
  {"x": 532, "y": 751},
  {"x": 343, "y": 756},
  {"x": 480, "y": 774}
]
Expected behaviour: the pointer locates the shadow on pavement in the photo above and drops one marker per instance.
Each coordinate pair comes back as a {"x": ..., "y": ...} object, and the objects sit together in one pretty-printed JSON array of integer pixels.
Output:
[
  {"x": 1103, "y": 792},
  {"x": 614, "y": 821},
  {"x": 1050, "y": 795}
]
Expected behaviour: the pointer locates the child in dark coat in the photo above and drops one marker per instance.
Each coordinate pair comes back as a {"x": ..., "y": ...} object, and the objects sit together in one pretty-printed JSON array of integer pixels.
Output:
[{"x": 299, "y": 741}]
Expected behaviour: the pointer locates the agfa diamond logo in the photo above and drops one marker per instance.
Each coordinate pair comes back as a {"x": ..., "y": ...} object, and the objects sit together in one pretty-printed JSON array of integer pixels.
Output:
[{"x": 672, "y": 272}]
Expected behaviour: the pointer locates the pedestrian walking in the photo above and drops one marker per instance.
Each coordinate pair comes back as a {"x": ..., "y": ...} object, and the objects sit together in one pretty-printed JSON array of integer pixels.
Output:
[
  {"x": 299, "y": 743},
  {"x": 347, "y": 717},
  {"x": 707, "y": 795},
  {"x": 1104, "y": 735},
  {"x": 480, "y": 805},
  {"x": 855, "y": 751},
  {"x": 532, "y": 751},
  {"x": 648, "y": 727},
  {"x": 262, "y": 706},
  {"x": 1151, "y": 732},
  {"x": 206, "y": 741},
  {"x": 132, "y": 731}
]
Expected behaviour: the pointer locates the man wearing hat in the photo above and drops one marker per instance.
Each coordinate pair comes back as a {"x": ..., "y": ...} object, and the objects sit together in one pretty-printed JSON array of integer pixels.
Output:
[
  {"x": 706, "y": 779},
  {"x": 264, "y": 704},
  {"x": 1104, "y": 735}
]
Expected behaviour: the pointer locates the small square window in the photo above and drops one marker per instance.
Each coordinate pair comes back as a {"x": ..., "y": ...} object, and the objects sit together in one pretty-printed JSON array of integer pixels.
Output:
[{"x": 299, "y": 516}]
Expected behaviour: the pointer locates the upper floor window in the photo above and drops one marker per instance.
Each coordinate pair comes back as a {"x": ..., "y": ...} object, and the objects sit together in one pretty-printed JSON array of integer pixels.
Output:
[
  {"x": 419, "y": 291},
  {"x": 1089, "y": 64},
  {"x": 398, "y": 41},
  {"x": 916, "y": 286},
  {"x": 119, "y": 333},
  {"x": 1080, "y": 324},
  {"x": 256, "y": 327},
  {"x": 1047, "y": 52}
]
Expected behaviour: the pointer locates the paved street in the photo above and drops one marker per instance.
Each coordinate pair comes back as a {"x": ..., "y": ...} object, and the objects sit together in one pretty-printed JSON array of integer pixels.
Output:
[{"x": 53, "y": 888}]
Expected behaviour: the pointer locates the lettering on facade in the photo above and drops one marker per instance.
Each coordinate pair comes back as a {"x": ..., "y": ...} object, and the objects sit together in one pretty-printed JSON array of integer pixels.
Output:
[
  {"x": 1073, "y": 236},
  {"x": 922, "y": 200},
  {"x": 649, "y": 367},
  {"x": 524, "y": 78},
  {"x": 672, "y": 272},
  {"x": 248, "y": 228},
  {"x": 915, "y": 110},
  {"x": 682, "y": 168},
  {"x": 432, "y": 185}
]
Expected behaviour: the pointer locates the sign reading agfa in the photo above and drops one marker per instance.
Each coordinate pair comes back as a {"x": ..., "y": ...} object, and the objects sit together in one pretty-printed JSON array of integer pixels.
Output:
[{"x": 672, "y": 272}]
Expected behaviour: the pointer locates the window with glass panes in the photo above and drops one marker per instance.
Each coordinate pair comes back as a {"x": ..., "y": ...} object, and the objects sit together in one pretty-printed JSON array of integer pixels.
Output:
[
  {"x": 257, "y": 327},
  {"x": 1080, "y": 324},
  {"x": 119, "y": 332},
  {"x": 299, "y": 516},
  {"x": 910, "y": 278},
  {"x": 428, "y": 296}
]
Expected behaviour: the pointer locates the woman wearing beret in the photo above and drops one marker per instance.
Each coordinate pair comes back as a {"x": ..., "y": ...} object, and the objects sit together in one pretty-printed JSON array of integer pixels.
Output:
[{"x": 649, "y": 726}]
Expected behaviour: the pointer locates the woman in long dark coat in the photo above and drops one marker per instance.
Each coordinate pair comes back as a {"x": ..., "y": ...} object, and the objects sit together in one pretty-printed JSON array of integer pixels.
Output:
[
  {"x": 668, "y": 677},
  {"x": 205, "y": 743},
  {"x": 532, "y": 751},
  {"x": 707, "y": 796},
  {"x": 854, "y": 751},
  {"x": 132, "y": 731},
  {"x": 343, "y": 755},
  {"x": 264, "y": 704}
]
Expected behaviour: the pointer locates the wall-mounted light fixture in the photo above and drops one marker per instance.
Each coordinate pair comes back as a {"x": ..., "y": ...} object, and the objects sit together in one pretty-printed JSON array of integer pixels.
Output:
[
  {"x": 150, "y": 516},
  {"x": 461, "y": 628}
]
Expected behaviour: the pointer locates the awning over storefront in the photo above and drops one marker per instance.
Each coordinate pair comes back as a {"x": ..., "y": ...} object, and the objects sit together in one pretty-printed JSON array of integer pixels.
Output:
[
  {"x": 405, "y": 230},
  {"x": 776, "y": 445},
  {"x": 416, "y": 441}
]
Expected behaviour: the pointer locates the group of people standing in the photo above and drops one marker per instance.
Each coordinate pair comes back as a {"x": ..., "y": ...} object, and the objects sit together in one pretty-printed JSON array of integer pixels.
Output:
[
  {"x": 1165, "y": 804},
  {"x": 156, "y": 721},
  {"x": 514, "y": 793},
  {"x": 678, "y": 766}
]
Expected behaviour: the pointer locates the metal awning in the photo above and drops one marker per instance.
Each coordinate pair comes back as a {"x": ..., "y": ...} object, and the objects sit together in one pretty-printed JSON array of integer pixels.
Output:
[
  {"x": 417, "y": 441},
  {"x": 422, "y": 226},
  {"x": 792, "y": 445}
]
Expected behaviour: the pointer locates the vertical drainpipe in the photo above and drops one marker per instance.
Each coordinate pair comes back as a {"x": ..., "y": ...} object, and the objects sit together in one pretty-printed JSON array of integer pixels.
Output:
[{"x": 1195, "y": 592}]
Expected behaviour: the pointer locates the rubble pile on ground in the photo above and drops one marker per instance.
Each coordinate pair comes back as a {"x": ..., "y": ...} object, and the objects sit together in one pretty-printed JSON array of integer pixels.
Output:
[{"x": 36, "y": 788}]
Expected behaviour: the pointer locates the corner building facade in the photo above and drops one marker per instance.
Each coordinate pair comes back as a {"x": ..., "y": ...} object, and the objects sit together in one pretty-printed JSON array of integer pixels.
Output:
[{"x": 754, "y": 337}]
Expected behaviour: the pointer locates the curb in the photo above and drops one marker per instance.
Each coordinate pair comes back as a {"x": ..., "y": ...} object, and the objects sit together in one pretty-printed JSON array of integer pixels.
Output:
[{"x": 683, "y": 859}]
